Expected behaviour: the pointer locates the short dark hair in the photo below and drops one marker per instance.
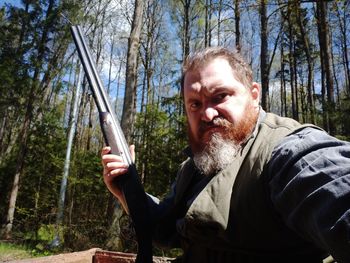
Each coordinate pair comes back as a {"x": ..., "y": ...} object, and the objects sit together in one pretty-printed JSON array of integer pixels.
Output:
[{"x": 241, "y": 70}]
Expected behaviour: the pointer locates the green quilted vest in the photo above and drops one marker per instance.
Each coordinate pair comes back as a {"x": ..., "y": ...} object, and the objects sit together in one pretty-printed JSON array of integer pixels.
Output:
[{"x": 232, "y": 218}]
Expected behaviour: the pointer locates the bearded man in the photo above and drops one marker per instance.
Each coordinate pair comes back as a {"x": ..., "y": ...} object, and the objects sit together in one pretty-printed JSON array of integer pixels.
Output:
[{"x": 256, "y": 187}]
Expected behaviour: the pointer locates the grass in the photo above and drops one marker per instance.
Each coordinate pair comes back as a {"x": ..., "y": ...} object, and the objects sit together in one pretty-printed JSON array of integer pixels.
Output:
[{"x": 10, "y": 251}]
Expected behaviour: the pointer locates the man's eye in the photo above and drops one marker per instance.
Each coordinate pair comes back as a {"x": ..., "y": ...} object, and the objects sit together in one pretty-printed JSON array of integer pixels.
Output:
[
  {"x": 220, "y": 97},
  {"x": 194, "y": 105}
]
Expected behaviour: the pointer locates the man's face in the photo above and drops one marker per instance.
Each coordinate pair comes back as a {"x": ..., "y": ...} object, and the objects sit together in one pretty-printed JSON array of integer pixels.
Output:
[{"x": 217, "y": 103}]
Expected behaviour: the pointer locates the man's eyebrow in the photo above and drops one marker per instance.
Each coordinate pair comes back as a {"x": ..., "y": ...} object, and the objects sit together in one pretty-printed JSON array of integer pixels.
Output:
[{"x": 220, "y": 88}]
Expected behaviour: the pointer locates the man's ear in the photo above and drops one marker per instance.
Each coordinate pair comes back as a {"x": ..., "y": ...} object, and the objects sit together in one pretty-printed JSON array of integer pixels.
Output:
[{"x": 255, "y": 91}]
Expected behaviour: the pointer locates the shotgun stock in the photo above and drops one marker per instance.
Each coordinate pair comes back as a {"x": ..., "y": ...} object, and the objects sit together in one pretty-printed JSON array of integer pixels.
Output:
[{"x": 130, "y": 183}]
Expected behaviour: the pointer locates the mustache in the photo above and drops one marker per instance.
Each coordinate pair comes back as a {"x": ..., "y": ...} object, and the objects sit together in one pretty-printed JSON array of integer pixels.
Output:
[{"x": 216, "y": 122}]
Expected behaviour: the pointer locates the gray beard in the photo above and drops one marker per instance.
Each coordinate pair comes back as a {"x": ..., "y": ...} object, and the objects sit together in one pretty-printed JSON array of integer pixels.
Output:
[{"x": 217, "y": 154}]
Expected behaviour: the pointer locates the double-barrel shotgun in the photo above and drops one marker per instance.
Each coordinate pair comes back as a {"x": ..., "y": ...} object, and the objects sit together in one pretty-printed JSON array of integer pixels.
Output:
[{"x": 129, "y": 183}]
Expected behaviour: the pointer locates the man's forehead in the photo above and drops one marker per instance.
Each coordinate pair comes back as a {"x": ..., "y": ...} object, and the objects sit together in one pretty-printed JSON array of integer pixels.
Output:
[
  {"x": 216, "y": 61},
  {"x": 218, "y": 71}
]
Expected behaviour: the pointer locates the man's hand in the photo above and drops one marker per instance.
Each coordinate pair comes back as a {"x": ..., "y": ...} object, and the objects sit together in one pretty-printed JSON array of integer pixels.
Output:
[{"x": 114, "y": 166}]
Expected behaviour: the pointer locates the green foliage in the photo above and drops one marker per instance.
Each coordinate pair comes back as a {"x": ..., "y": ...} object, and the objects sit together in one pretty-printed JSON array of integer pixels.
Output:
[
  {"x": 7, "y": 169},
  {"x": 33, "y": 43},
  {"x": 43, "y": 169},
  {"x": 14, "y": 251},
  {"x": 39, "y": 190},
  {"x": 46, "y": 233},
  {"x": 159, "y": 153},
  {"x": 344, "y": 118},
  {"x": 85, "y": 234},
  {"x": 10, "y": 251},
  {"x": 86, "y": 181},
  {"x": 37, "y": 198}
]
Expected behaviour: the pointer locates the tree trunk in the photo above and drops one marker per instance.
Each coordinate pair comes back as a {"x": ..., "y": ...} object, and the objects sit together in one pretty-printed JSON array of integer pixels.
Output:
[
  {"x": 264, "y": 57},
  {"x": 326, "y": 62},
  {"x": 127, "y": 122},
  {"x": 325, "y": 118},
  {"x": 291, "y": 58},
  {"x": 116, "y": 106},
  {"x": 110, "y": 66},
  {"x": 128, "y": 115},
  {"x": 97, "y": 30},
  {"x": 6, "y": 129},
  {"x": 283, "y": 84},
  {"x": 23, "y": 136},
  {"x": 153, "y": 11},
  {"x": 342, "y": 20},
  {"x": 186, "y": 29},
  {"x": 210, "y": 12},
  {"x": 310, "y": 76},
  {"x": 295, "y": 89},
  {"x": 73, "y": 123},
  {"x": 206, "y": 27},
  {"x": 219, "y": 20},
  {"x": 237, "y": 25}
]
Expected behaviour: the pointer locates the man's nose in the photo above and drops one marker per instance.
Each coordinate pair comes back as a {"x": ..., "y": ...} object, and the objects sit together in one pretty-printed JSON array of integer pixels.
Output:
[{"x": 209, "y": 113}]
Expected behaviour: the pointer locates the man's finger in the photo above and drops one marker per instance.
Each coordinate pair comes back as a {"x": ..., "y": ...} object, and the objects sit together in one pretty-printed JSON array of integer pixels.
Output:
[
  {"x": 105, "y": 150},
  {"x": 132, "y": 152}
]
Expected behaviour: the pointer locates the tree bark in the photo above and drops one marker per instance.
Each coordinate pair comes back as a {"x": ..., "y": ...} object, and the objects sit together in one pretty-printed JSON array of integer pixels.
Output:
[
  {"x": 219, "y": 21},
  {"x": 293, "y": 84},
  {"x": 96, "y": 32},
  {"x": 283, "y": 84},
  {"x": 64, "y": 181},
  {"x": 237, "y": 25},
  {"x": 206, "y": 27},
  {"x": 342, "y": 25},
  {"x": 264, "y": 66},
  {"x": 128, "y": 115},
  {"x": 324, "y": 40},
  {"x": 310, "y": 76},
  {"x": 127, "y": 121},
  {"x": 186, "y": 29}
]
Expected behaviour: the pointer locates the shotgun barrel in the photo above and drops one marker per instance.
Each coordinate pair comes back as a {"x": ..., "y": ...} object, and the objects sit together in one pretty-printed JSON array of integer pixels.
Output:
[{"x": 129, "y": 183}]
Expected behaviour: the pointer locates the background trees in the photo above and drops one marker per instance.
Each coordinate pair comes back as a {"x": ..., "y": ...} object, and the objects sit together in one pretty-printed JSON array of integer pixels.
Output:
[{"x": 299, "y": 51}]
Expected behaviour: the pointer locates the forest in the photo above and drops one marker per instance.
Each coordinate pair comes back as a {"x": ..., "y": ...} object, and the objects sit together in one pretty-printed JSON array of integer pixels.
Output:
[{"x": 52, "y": 194}]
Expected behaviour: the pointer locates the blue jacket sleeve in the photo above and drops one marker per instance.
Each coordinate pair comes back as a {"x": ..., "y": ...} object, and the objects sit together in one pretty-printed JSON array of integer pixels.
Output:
[
  {"x": 309, "y": 183},
  {"x": 164, "y": 218}
]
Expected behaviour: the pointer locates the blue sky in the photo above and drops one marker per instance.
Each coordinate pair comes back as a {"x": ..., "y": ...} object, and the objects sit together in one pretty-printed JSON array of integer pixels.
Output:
[{"x": 12, "y": 2}]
